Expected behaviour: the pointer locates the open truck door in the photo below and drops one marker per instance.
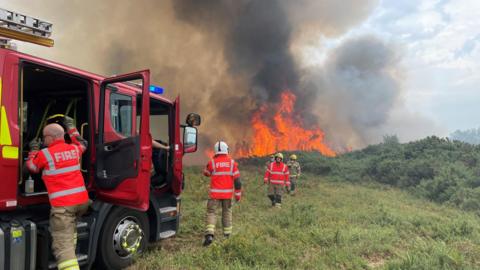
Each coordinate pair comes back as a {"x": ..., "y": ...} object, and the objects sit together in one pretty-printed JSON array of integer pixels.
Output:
[{"x": 122, "y": 174}]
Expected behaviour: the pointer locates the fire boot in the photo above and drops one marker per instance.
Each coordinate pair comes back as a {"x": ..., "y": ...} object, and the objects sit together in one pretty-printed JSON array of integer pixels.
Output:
[
  {"x": 272, "y": 198},
  {"x": 208, "y": 240},
  {"x": 278, "y": 201}
]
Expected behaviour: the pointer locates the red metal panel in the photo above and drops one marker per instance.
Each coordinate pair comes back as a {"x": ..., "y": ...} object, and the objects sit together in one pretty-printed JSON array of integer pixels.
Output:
[
  {"x": 9, "y": 101},
  {"x": 178, "y": 152},
  {"x": 134, "y": 192}
]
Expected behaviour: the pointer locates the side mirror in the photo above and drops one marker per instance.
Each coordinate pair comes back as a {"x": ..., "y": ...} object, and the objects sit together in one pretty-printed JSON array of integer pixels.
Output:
[
  {"x": 190, "y": 139},
  {"x": 193, "y": 120}
]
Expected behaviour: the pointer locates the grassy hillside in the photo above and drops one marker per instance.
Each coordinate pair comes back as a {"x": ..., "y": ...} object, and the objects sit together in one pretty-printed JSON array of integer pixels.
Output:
[{"x": 328, "y": 225}]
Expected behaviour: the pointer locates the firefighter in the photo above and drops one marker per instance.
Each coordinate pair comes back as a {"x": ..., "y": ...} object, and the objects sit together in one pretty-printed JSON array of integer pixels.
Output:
[
  {"x": 60, "y": 166},
  {"x": 225, "y": 182},
  {"x": 295, "y": 171},
  {"x": 277, "y": 176}
]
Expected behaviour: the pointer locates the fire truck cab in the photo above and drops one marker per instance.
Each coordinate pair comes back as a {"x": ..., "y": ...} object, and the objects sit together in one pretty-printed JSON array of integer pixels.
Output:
[{"x": 135, "y": 188}]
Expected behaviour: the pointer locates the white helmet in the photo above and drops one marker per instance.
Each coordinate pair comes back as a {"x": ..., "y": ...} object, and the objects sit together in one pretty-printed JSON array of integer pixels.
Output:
[{"x": 221, "y": 147}]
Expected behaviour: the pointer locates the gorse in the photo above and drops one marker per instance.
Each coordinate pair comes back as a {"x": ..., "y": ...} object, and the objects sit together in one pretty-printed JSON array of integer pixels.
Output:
[{"x": 440, "y": 170}]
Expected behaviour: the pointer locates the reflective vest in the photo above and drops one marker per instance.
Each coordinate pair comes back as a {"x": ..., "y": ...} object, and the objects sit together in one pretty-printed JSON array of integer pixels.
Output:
[
  {"x": 277, "y": 174},
  {"x": 222, "y": 171},
  {"x": 60, "y": 166}
]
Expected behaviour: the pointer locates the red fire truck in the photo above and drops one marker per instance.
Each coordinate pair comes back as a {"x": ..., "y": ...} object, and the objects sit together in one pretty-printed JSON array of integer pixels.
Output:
[{"x": 135, "y": 188}]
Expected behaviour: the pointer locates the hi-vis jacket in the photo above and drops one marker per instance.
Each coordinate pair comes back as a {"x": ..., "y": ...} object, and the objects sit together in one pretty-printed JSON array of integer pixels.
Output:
[
  {"x": 60, "y": 166},
  {"x": 224, "y": 177},
  {"x": 277, "y": 174}
]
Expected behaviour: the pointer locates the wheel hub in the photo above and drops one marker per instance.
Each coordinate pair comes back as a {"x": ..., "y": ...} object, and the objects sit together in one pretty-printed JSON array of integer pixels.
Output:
[{"x": 127, "y": 237}]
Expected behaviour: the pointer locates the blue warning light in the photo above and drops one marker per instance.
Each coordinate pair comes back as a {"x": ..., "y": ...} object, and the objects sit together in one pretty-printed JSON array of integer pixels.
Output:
[{"x": 156, "y": 89}]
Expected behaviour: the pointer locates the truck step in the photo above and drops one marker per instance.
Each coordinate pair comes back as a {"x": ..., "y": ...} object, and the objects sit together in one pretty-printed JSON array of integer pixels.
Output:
[
  {"x": 168, "y": 209},
  {"x": 168, "y": 213},
  {"x": 81, "y": 225},
  {"x": 81, "y": 258},
  {"x": 168, "y": 219},
  {"x": 167, "y": 234}
]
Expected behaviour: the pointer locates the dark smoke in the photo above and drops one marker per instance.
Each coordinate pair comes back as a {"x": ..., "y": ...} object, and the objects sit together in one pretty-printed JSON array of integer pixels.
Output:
[
  {"x": 361, "y": 71},
  {"x": 358, "y": 87},
  {"x": 256, "y": 37}
]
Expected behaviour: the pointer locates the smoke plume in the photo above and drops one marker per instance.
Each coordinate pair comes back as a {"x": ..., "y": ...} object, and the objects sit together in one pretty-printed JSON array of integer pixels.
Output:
[{"x": 227, "y": 58}]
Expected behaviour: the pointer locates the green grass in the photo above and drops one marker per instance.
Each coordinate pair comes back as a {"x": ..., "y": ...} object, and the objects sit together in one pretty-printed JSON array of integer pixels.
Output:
[{"x": 328, "y": 225}]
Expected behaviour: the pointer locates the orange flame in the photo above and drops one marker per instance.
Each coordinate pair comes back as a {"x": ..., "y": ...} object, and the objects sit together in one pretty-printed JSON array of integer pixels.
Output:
[{"x": 283, "y": 132}]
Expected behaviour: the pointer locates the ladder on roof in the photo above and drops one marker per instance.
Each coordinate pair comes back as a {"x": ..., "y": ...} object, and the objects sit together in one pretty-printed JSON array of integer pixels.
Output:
[{"x": 25, "y": 28}]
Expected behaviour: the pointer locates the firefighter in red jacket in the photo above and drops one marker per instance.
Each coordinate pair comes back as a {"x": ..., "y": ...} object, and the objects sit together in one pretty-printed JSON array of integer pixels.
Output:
[
  {"x": 277, "y": 176},
  {"x": 225, "y": 182},
  {"x": 60, "y": 166}
]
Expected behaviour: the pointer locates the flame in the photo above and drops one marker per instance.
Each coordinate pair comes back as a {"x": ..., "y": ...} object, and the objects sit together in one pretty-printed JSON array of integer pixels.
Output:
[{"x": 282, "y": 132}]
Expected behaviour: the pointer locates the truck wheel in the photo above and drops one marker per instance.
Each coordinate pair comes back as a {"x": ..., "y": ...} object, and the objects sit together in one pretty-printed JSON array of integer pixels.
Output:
[{"x": 124, "y": 235}]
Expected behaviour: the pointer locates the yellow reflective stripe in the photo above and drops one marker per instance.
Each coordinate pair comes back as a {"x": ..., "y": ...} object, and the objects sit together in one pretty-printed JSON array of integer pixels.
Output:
[
  {"x": 76, "y": 267},
  {"x": 10, "y": 152},
  {"x": 5, "y": 138},
  {"x": 210, "y": 228},
  {"x": 67, "y": 264},
  {"x": 228, "y": 229}
]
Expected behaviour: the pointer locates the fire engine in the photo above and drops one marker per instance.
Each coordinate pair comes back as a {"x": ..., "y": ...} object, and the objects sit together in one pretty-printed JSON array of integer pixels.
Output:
[{"x": 135, "y": 188}]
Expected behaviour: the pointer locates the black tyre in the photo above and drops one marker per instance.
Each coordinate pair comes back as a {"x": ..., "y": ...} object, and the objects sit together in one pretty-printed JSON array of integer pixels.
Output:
[{"x": 124, "y": 235}]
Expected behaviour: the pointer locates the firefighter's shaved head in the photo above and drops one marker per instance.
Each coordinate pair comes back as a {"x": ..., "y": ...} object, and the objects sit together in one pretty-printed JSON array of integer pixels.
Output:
[{"x": 54, "y": 130}]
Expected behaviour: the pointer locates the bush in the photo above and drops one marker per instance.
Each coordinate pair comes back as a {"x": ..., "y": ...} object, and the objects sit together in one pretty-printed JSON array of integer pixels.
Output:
[{"x": 439, "y": 169}]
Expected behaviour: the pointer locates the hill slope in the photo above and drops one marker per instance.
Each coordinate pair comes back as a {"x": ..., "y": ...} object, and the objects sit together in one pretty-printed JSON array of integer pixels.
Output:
[{"x": 328, "y": 225}]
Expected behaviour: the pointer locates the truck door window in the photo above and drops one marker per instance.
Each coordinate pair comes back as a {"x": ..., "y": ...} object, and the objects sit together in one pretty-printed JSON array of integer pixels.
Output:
[
  {"x": 121, "y": 114},
  {"x": 159, "y": 127}
]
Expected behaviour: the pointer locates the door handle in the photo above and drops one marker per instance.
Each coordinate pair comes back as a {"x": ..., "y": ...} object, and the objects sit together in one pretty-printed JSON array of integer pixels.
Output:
[{"x": 108, "y": 148}]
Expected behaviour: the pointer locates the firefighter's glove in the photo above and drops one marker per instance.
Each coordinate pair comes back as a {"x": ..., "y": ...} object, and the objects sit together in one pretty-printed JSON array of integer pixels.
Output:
[
  {"x": 34, "y": 145},
  {"x": 68, "y": 122},
  {"x": 238, "y": 195}
]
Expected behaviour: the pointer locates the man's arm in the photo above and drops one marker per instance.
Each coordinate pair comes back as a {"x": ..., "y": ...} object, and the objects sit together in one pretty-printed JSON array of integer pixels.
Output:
[
  {"x": 267, "y": 175},
  {"x": 80, "y": 142},
  {"x": 35, "y": 161},
  {"x": 208, "y": 169},
  {"x": 158, "y": 145},
  {"x": 237, "y": 183}
]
